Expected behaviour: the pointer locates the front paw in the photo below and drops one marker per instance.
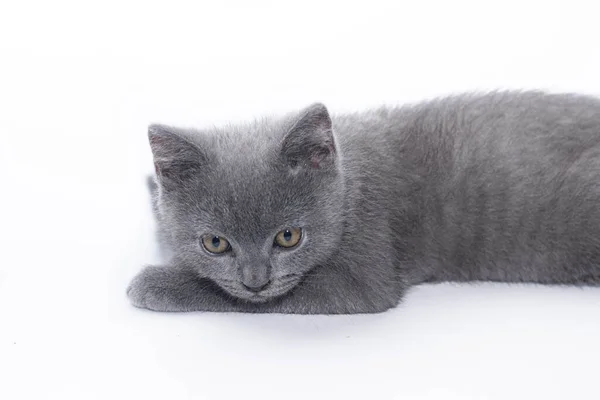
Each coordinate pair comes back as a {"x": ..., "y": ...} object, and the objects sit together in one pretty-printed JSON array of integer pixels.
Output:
[{"x": 147, "y": 290}]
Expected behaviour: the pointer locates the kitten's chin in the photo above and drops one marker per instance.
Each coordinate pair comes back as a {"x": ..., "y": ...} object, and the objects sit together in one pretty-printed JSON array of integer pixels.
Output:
[{"x": 257, "y": 299}]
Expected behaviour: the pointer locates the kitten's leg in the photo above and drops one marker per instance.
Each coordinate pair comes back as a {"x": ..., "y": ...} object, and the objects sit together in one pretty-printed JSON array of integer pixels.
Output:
[
  {"x": 162, "y": 288},
  {"x": 325, "y": 292}
]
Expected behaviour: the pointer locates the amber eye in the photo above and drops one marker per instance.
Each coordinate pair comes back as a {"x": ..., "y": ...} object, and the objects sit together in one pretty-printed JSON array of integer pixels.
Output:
[
  {"x": 215, "y": 244},
  {"x": 288, "y": 237}
]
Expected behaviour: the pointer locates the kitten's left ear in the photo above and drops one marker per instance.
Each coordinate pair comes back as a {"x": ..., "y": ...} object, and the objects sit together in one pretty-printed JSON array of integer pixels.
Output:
[{"x": 310, "y": 141}]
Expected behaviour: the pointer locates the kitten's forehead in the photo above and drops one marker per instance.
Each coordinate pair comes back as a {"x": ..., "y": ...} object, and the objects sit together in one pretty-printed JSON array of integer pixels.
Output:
[
  {"x": 250, "y": 142},
  {"x": 246, "y": 183},
  {"x": 250, "y": 202},
  {"x": 254, "y": 185},
  {"x": 246, "y": 179}
]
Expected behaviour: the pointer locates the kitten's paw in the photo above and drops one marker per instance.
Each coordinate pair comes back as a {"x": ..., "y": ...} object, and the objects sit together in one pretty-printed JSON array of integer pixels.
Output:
[
  {"x": 146, "y": 290},
  {"x": 136, "y": 291}
]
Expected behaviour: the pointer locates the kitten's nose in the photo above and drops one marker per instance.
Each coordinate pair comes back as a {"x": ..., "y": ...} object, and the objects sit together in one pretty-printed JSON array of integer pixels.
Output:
[
  {"x": 258, "y": 287},
  {"x": 256, "y": 275}
]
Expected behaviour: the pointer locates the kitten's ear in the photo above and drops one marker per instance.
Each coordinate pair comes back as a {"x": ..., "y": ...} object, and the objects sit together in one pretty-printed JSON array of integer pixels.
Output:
[
  {"x": 176, "y": 159},
  {"x": 310, "y": 141}
]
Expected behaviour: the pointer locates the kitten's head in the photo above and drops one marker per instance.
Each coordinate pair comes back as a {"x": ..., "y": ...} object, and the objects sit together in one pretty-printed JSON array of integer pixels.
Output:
[{"x": 253, "y": 208}]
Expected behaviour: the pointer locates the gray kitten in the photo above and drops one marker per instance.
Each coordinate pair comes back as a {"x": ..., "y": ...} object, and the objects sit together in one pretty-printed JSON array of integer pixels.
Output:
[{"x": 311, "y": 214}]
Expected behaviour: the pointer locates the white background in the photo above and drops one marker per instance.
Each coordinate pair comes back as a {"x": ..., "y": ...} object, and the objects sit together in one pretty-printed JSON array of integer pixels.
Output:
[{"x": 79, "y": 83}]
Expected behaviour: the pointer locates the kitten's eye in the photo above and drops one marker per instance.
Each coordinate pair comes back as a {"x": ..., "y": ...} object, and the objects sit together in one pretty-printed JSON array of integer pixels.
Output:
[
  {"x": 288, "y": 237},
  {"x": 215, "y": 244}
]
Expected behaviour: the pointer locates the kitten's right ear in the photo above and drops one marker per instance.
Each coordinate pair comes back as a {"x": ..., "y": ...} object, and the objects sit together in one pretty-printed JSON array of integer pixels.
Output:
[
  {"x": 310, "y": 140},
  {"x": 176, "y": 159}
]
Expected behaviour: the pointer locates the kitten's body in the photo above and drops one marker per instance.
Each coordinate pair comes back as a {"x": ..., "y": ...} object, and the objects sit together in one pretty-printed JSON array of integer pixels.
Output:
[{"x": 500, "y": 187}]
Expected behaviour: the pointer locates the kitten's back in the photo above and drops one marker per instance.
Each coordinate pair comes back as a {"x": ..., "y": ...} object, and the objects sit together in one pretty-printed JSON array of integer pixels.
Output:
[{"x": 502, "y": 186}]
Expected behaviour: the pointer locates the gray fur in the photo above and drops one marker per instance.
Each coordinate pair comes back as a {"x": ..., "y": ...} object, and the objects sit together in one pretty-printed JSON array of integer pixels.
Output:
[{"x": 496, "y": 187}]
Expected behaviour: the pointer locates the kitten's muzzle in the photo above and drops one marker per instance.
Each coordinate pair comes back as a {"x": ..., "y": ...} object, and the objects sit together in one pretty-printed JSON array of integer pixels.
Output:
[
  {"x": 256, "y": 276},
  {"x": 271, "y": 288}
]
